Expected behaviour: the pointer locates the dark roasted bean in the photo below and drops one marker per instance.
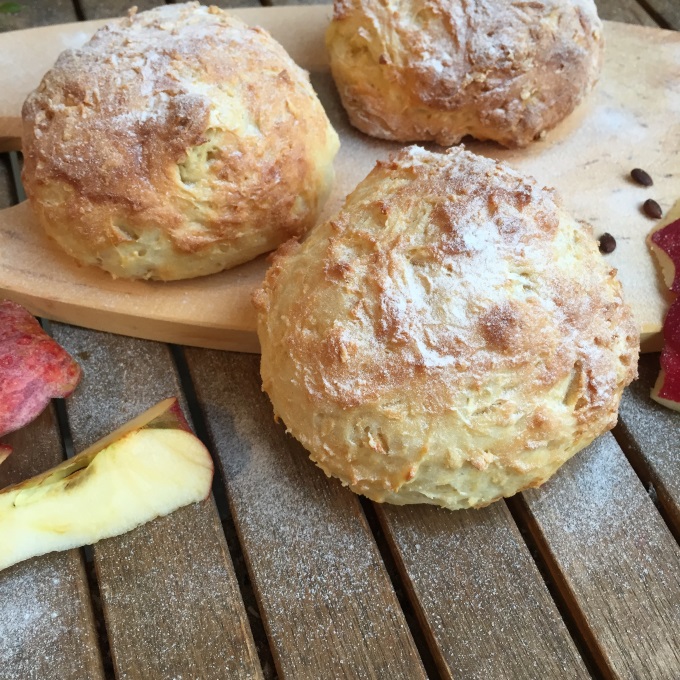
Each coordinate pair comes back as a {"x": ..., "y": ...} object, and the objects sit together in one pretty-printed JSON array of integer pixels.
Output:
[
  {"x": 607, "y": 243},
  {"x": 652, "y": 209},
  {"x": 641, "y": 177}
]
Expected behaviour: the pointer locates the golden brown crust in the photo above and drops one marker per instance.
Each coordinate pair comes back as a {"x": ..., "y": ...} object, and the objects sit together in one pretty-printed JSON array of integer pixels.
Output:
[
  {"x": 434, "y": 70},
  {"x": 177, "y": 142},
  {"x": 452, "y": 336}
]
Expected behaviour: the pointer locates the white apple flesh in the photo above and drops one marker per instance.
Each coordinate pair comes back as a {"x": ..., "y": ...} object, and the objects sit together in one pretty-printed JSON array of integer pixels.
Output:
[{"x": 104, "y": 492}]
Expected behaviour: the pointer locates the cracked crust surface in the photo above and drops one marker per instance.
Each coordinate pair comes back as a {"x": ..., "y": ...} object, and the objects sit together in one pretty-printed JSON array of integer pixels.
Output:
[
  {"x": 428, "y": 70},
  {"x": 176, "y": 143},
  {"x": 452, "y": 336}
]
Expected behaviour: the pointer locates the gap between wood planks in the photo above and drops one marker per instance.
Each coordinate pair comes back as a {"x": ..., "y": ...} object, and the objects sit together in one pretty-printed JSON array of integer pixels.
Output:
[
  {"x": 225, "y": 513},
  {"x": 78, "y": 8},
  {"x": 662, "y": 502},
  {"x": 400, "y": 585},
  {"x": 657, "y": 15},
  {"x": 584, "y": 638}
]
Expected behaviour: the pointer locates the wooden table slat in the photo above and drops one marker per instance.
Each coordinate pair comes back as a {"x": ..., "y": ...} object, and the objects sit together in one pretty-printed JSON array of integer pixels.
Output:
[
  {"x": 95, "y": 9},
  {"x": 7, "y": 193},
  {"x": 328, "y": 606},
  {"x": 614, "y": 559},
  {"x": 650, "y": 434},
  {"x": 627, "y": 11},
  {"x": 33, "y": 13},
  {"x": 479, "y": 595},
  {"x": 228, "y": 4},
  {"x": 667, "y": 10},
  {"x": 47, "y": 630},
  {"x": 169, "y": 592}
]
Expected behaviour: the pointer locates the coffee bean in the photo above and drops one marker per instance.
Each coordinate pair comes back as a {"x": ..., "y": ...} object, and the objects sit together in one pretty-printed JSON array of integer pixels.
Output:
[
  {"x": 641, "y": 177},
  {"x": 652, "y": 209},
  {"x": 607, "y": 243}
]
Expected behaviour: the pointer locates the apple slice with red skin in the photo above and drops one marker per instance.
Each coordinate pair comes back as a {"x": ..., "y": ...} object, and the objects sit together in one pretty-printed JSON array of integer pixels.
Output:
[
  {"x": 667, "y": 388},
  {"x": 33, "y": 368},
  {"x": 5, "y": 450},
  {"x": 666, "y": 242},
  {"x": 150, "y": 467}
]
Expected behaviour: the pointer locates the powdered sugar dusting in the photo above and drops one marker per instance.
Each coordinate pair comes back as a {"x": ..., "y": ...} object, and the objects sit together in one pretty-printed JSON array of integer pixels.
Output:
[
  {"x": 654, "y": 428},
  {"x": 617, "y": 556},
  {"x": 74, "y": 40},
  {"x": 595, "y": 512},
  {"x": 41, "y": 622},
  {"x": 429, "y": 253},
  {"x": 441, "y": 70}
]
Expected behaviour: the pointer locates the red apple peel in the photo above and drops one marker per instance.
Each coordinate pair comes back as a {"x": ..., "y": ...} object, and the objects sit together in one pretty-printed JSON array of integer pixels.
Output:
[
  {"x": 668, "y": 240},
  {"x": 33, "y": 368},
  {"x": 667, "y": 388}
]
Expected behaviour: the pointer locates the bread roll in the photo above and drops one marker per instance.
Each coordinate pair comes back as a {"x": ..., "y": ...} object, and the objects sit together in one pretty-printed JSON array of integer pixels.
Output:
[
  {"x": 452, "y": 336},
  {"x": 493, "y": 69},
  {"x": 176, "y": 143}
]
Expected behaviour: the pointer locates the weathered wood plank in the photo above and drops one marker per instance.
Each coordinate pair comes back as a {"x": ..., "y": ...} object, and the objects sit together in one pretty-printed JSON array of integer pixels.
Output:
[
  {"x": 95, "y": 9},
  {"x": 650, "y": 435},
  {"x": 7, "y": 193},
  {"x": 668, "y": 11},
  {"x": 627, "y": 11},
  {"x": 327, "y": 603},
  {"x": 170, "y": 596},
  {"x": 38, "y": 13},
  {"x": 478, "y": 594},
  {"x": 46, "y": 626},
  {"x": 614, "y": 561},
  {"x": 281, "y": 3},
  {"x": 229, "y": 4}
]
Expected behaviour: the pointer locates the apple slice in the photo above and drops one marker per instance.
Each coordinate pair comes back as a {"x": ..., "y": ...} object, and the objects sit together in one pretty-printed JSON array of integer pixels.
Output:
[
  {"x": 667, "y": 388},
  {"x": 33, "y": 368},
  {"x": 148, "y": 468},
  {"x": 665, "y": 242},
  {"x": 5, "y": 450}
]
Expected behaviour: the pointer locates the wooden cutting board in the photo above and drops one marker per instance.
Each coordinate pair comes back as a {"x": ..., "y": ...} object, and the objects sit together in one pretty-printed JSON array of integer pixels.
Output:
[{"x": 631, "y": 120}]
